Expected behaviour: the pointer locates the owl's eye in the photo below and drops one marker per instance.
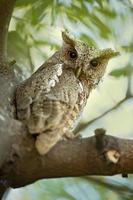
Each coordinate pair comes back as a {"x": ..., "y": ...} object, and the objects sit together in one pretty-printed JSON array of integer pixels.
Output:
[
  {"x": 94, "y": 62},
  {"x": 73, "y": 55}
]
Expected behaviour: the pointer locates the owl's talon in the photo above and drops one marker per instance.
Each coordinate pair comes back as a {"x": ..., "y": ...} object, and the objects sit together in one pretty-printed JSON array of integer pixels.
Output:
[
  {"x": 71, "y": 135},
  {"x": 78, "y": 136}
]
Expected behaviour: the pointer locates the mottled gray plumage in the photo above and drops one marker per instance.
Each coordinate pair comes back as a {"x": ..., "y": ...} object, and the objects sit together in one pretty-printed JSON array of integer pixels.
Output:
[{"x": 52, "y": 99}]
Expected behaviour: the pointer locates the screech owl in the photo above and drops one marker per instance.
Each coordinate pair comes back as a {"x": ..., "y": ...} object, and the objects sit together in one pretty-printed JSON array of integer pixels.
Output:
[{"x": 51, "y": 101}]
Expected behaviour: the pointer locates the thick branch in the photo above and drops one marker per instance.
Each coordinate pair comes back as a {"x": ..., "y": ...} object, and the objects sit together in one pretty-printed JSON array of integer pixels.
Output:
[
  {"x": 6, "y": 8},
  {"x": 78, "y": 157}
]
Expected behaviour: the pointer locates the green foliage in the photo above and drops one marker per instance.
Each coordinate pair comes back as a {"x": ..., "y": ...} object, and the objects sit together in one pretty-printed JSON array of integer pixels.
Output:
[
  {"x": 128, "y": 48},
  {"x": 97, "y": 21},
  {"x": 17, "y": 47},
  {"x": 126, "y": 71}
]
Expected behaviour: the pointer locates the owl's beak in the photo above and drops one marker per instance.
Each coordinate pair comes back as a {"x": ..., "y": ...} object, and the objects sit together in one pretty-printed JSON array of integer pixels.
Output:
[
  {"x": 78, "y": 71},
  {"x": 108, "y": 54}
]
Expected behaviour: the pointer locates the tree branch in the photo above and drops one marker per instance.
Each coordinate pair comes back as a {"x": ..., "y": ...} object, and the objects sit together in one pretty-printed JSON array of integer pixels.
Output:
[
  {"x": 82, "y": 126},
  {"x": 78, "y": 157},
  {"x": 6, "y": 8},
  {"x": 30, "y": 60}
]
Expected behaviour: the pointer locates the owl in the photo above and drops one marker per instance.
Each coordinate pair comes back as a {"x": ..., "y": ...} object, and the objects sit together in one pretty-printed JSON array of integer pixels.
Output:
[{"x": 51, "y": 101}]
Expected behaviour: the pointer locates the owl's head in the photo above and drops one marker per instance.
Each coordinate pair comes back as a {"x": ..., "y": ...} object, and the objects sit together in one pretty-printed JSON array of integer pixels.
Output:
[{"x": 85, "y": 60}]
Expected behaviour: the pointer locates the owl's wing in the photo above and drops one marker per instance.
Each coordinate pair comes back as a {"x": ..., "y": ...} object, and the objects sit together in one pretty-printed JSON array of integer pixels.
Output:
[{"x": 30, "y": 90}]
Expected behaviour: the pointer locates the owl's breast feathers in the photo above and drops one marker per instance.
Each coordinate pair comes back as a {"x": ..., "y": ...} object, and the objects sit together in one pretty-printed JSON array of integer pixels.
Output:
[
  {"x": 69, "y": 92},
  {"x": 57, "y": 101}
]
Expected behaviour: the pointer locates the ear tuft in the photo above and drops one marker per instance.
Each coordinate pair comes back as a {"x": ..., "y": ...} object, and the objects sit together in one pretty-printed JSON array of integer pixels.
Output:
[
  {"x": 67, "y": 38},
  {"x": 109, "y": 53}
]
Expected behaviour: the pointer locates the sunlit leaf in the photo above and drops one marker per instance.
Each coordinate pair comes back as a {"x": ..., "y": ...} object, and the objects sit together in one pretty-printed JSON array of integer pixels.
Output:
[
  {"x": 24, "y": 3},
  {"x": 111, "y": 14},
  {"x": 100, "y": 3},
  {"x": 122, "y": 71},
  {"x": 87, "y": 39},
  {"x": 103, "y": 28},
  {"x": 18, "y": 50},
  {"x": 17, "y": 47},
  {"x": 128, "y": 48}
]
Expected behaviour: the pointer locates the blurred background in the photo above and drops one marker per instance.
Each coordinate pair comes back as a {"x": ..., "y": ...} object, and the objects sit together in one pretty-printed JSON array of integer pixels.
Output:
[{"x": 35, "y": 34}]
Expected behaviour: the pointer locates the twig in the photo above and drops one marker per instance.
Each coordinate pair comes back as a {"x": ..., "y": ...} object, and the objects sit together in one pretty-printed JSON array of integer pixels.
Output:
[
  {"x": 19, "y": 18},
  {"x": 82, "y": 126},
  {"x": 30, "y": 60},
  {"x": 129, "y": 93}
]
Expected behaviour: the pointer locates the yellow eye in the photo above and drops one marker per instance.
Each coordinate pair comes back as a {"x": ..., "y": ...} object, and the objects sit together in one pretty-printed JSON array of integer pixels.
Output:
[
  {"x": 94, "y": 62},
  {"x": 73, "y": 55}
]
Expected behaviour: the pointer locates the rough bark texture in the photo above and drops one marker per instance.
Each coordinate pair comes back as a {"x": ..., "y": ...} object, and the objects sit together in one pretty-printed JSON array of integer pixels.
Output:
[{"x": 7, "y": 83}]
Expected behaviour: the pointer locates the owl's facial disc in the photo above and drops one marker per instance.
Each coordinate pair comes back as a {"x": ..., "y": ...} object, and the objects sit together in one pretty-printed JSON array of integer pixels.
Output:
[
  {"x": 83, "y": 59},
  {"x": 97, "y": 63}
]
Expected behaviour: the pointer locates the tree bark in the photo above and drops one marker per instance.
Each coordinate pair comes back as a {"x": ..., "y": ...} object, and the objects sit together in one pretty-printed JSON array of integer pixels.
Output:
[
  {"x": 7, "y": 80},
  {"x": 6, "y": 8}
]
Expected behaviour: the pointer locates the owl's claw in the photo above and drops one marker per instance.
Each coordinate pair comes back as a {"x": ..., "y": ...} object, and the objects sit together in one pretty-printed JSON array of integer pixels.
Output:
[{"x": 71, "y": 135}]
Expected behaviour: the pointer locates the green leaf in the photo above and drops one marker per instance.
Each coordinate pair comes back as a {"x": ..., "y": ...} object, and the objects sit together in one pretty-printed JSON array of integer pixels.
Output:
[
  {"x": 18, "y": 50},
  {"x": 16, "y": 46},
  {"x": 104, "y": 30},
  {"x": 110, "y": 14},
  {"x": 24, "y": 3},
  {"x": 122, "y": 71},
  {"x": 128, "y": 48},
  {"x": 100, "y": 3},
  {"x": 87, "y": 39}
]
